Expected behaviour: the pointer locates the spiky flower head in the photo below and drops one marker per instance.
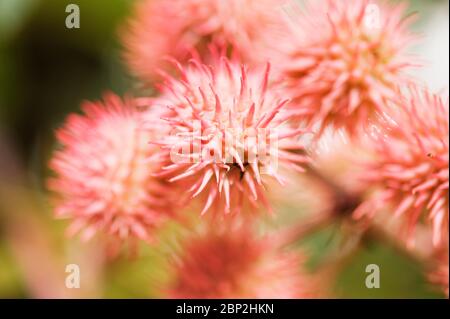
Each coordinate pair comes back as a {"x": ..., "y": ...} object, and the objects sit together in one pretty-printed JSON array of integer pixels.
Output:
[
  {"x": 342, "y": 59},
  {"x": 230, "y": 136},
  {"x": 177, "y": 28},
  {"x": 411, "y": 163},
  {"x": 104, "y": 181},
  {"x": 234, "y": 263}
]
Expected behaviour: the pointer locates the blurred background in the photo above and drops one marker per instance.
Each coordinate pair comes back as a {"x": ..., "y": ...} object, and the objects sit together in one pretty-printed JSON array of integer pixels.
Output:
[{"x": 46, "y": 70}]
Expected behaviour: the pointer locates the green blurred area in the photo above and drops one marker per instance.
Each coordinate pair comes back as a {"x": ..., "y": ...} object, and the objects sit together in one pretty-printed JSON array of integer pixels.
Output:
[
  {"x": 47, "y": 70},
  {"x": 400, "y": 277},
  {"x": 10, "y": 280}
]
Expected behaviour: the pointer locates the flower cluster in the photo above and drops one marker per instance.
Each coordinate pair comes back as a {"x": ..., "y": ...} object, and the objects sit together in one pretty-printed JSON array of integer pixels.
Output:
[
  {"x": 242, "y": 266},
  {"x": 104, "y": 179},
  {"x": 411, "y": 164},
  {"x": 223, "y": 130},
  {"x": 230, "y": 135},
  {"x": 341, "y": 60},
  {"x": 176, "y": 28}
]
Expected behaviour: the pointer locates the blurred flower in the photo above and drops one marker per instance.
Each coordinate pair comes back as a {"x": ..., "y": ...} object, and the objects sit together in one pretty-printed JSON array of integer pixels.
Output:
[
  {"x": 229, "y": 135},
  {"x": 338, "y": 162},
  {"x": 177, "y": 28},
  {"x": 104, "y": 177},
  {"x": 341, "y": 160},
  {"x": 232, "y": 263},
  {"x": 341, "y": 60},
  {"x": 439, "y": 275},
  {"x": 411, "y": 164}
]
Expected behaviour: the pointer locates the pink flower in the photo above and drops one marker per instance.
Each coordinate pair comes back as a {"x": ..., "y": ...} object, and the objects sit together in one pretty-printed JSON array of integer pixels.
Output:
[
  {"x": 104, "y": 178},
  {"x": 341, "y": 60},
  {"x": 411, "y": 164},
  {"x": 230, "y": 135},
  {"x": 233, "y": 263},
  {"x": 177, "y": 28}
]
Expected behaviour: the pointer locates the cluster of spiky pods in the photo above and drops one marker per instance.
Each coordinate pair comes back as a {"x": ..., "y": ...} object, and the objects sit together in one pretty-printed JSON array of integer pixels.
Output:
[{"x": 251, "y": 94}]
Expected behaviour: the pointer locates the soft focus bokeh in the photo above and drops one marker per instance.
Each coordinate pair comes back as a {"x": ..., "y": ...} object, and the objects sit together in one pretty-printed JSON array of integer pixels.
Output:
[{"x": 46, "y": 70}]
